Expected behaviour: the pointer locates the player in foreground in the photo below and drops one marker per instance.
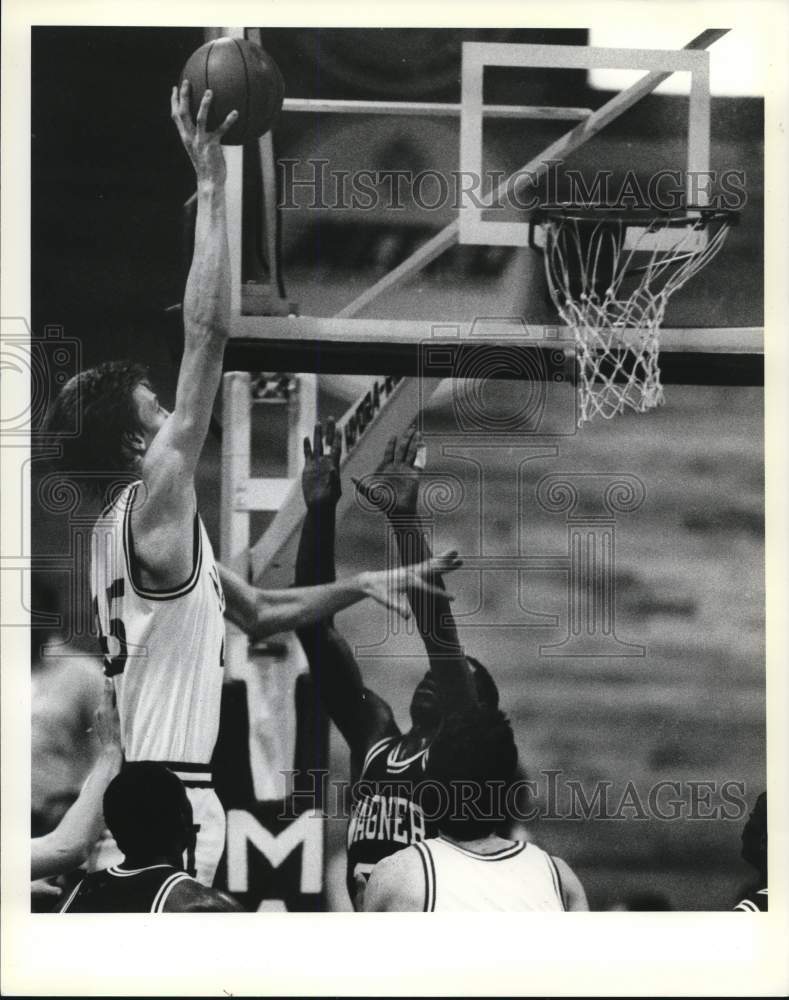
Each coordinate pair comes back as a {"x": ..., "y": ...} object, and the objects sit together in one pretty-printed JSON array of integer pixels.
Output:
[
  {"x": 386, "y": 764},
  {"x": 469, "y": 866},
  {"x": 754, "y": 851},
  {"x": 68, "y": 845},
  {"x": 65, "y": 692},
  {"x": 148, "y": 812},
  {"x": 158, "y": 594}
]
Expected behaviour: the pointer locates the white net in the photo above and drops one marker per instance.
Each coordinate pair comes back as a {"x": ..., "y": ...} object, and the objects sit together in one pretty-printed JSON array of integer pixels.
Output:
[{"x": 610, "y": 279}]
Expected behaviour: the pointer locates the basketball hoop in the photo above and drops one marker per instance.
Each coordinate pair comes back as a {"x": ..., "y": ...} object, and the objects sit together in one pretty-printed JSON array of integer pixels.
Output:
[{"x": 610, "y": 273}]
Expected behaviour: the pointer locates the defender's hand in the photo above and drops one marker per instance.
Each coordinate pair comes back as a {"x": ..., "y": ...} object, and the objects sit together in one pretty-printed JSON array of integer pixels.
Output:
[
  {"x": 394, "y": 486},
  {"x": 320, "y": 480},
  {"x": 203, "y": 148},
  {"x": 391, "y": 587}
]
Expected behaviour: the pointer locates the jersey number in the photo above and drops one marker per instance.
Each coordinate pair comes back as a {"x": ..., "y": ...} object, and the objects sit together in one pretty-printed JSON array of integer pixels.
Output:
[{"x": 114, "y": 662}]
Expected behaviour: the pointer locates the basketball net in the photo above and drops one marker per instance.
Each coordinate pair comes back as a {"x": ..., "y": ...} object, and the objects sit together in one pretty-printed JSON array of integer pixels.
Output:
[{"x": 610, "y": 280}]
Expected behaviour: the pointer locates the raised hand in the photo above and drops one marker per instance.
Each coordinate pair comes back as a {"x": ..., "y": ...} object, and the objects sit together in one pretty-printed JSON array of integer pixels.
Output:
[
  {"x": 391, "y": 587},
  {"x": 320, "y": 480},
  {"x": 394, "y": 486},
  {"x": 203, "y": 148}
]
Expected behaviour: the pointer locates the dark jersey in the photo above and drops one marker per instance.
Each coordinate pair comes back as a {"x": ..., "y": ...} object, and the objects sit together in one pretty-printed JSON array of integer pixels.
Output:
[
  {"x": 385, "y": 818},
  {"x": 122, "y": 890},
  {"x": 754, "y": 902}
]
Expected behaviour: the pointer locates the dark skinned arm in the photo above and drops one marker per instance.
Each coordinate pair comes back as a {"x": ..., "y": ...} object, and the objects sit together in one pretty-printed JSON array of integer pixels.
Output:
[
  {"x": 394, "y": 489},
  {"x": 361, "y": 716},
  {"x": 191, "y": 897}
]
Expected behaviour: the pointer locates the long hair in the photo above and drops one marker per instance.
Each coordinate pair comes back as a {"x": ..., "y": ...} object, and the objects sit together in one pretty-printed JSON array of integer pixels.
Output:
[{"x": 99, "y": 403}]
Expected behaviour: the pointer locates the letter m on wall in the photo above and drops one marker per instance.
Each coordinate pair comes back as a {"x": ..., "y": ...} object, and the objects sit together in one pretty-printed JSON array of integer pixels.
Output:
[{"x": 271, "y": 860}]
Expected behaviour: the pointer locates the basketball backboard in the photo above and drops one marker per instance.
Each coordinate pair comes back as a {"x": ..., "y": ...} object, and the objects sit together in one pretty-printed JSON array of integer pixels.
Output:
[{"x": 368, "y": 281}]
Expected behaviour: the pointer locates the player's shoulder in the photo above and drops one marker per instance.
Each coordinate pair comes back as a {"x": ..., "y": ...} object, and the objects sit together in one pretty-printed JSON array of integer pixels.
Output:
[
  {"x": 381, "y": 722},
  {"x": 117, "y": 503},
  {"x": 397, "y": 883},
  {"x": 88, "y": 669},
  {"x": 72, "y": 664},
  {"x": 377, "y": 745},
  {"x": 571, "y": 888},
  {"x": 190, "y": 896}
]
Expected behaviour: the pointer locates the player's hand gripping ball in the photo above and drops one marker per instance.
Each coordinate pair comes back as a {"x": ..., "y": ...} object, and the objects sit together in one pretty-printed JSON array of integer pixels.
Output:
[{"x": 243, "y": 78}]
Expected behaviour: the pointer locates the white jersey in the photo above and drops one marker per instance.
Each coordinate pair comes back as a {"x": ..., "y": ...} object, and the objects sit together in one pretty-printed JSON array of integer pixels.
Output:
[
  {"x": 164, "y": 649},
  {"x": 521, "y": 877}
]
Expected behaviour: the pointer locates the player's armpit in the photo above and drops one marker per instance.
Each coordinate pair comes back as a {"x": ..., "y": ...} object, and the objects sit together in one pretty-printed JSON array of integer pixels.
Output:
[
  {"x": 396, "y": 885},
  {"x": 161, "y": 541},
  {"x": 572, "y": 890},
  {"x": 189, "y": 896}
]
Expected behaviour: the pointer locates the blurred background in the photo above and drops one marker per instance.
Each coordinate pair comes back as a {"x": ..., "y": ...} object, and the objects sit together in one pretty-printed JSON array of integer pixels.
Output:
[{"x": 109, "y": 181}]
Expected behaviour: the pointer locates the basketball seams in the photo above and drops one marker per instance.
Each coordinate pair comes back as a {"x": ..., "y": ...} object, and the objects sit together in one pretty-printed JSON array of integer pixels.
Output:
[
  {"x": 242, "y": 78},
  {"x": 240, "y": 51},
  {"x": 205, "y": 68}
]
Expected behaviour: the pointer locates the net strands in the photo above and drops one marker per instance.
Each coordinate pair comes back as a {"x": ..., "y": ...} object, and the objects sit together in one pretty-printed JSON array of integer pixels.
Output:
[{"x": 610, "y": 280}]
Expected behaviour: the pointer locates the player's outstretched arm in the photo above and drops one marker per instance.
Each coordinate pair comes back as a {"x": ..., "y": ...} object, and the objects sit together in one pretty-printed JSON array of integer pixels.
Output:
[
  {"x": 162, "y": 517},
  {"x": 394, "y": 489},
  {"x": 572, "y": 890},
  {"x": 397, "y": 885},
  {"x": 67, "y": 846},
  {"x": 264, "y": 612},
  {"x": 361, "y": 716}
]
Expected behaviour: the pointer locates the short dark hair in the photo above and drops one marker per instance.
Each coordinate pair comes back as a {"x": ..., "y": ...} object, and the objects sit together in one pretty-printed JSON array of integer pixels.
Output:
[
  {"x": 474, "y": 759},
  {"x": 100, "y": 404},
  {"x": 147, "y": 810}
]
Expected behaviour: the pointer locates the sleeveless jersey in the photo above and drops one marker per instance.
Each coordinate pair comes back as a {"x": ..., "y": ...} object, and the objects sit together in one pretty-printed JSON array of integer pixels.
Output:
[
  {"x": 518, "y": 878},
  {"x": 164, "y": 649},
  {"x": 119, "y": 890},
  {"x": 753, "y": 902},
  {"x": 385, "y": 818}
]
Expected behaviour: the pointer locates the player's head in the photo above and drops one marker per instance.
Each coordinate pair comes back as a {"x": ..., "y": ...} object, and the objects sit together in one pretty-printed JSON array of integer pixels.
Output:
[
  {"x": 474, "y": 760},
  {"x": 754, "y": 835},
  {"x": 427, "y": 709},
  {"x": 148, "y": 812},
  {"x": 117, "y": 414}
]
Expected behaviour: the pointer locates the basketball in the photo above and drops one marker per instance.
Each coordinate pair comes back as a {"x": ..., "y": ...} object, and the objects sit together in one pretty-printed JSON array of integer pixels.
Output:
[{"x": 243, "y": 78}]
